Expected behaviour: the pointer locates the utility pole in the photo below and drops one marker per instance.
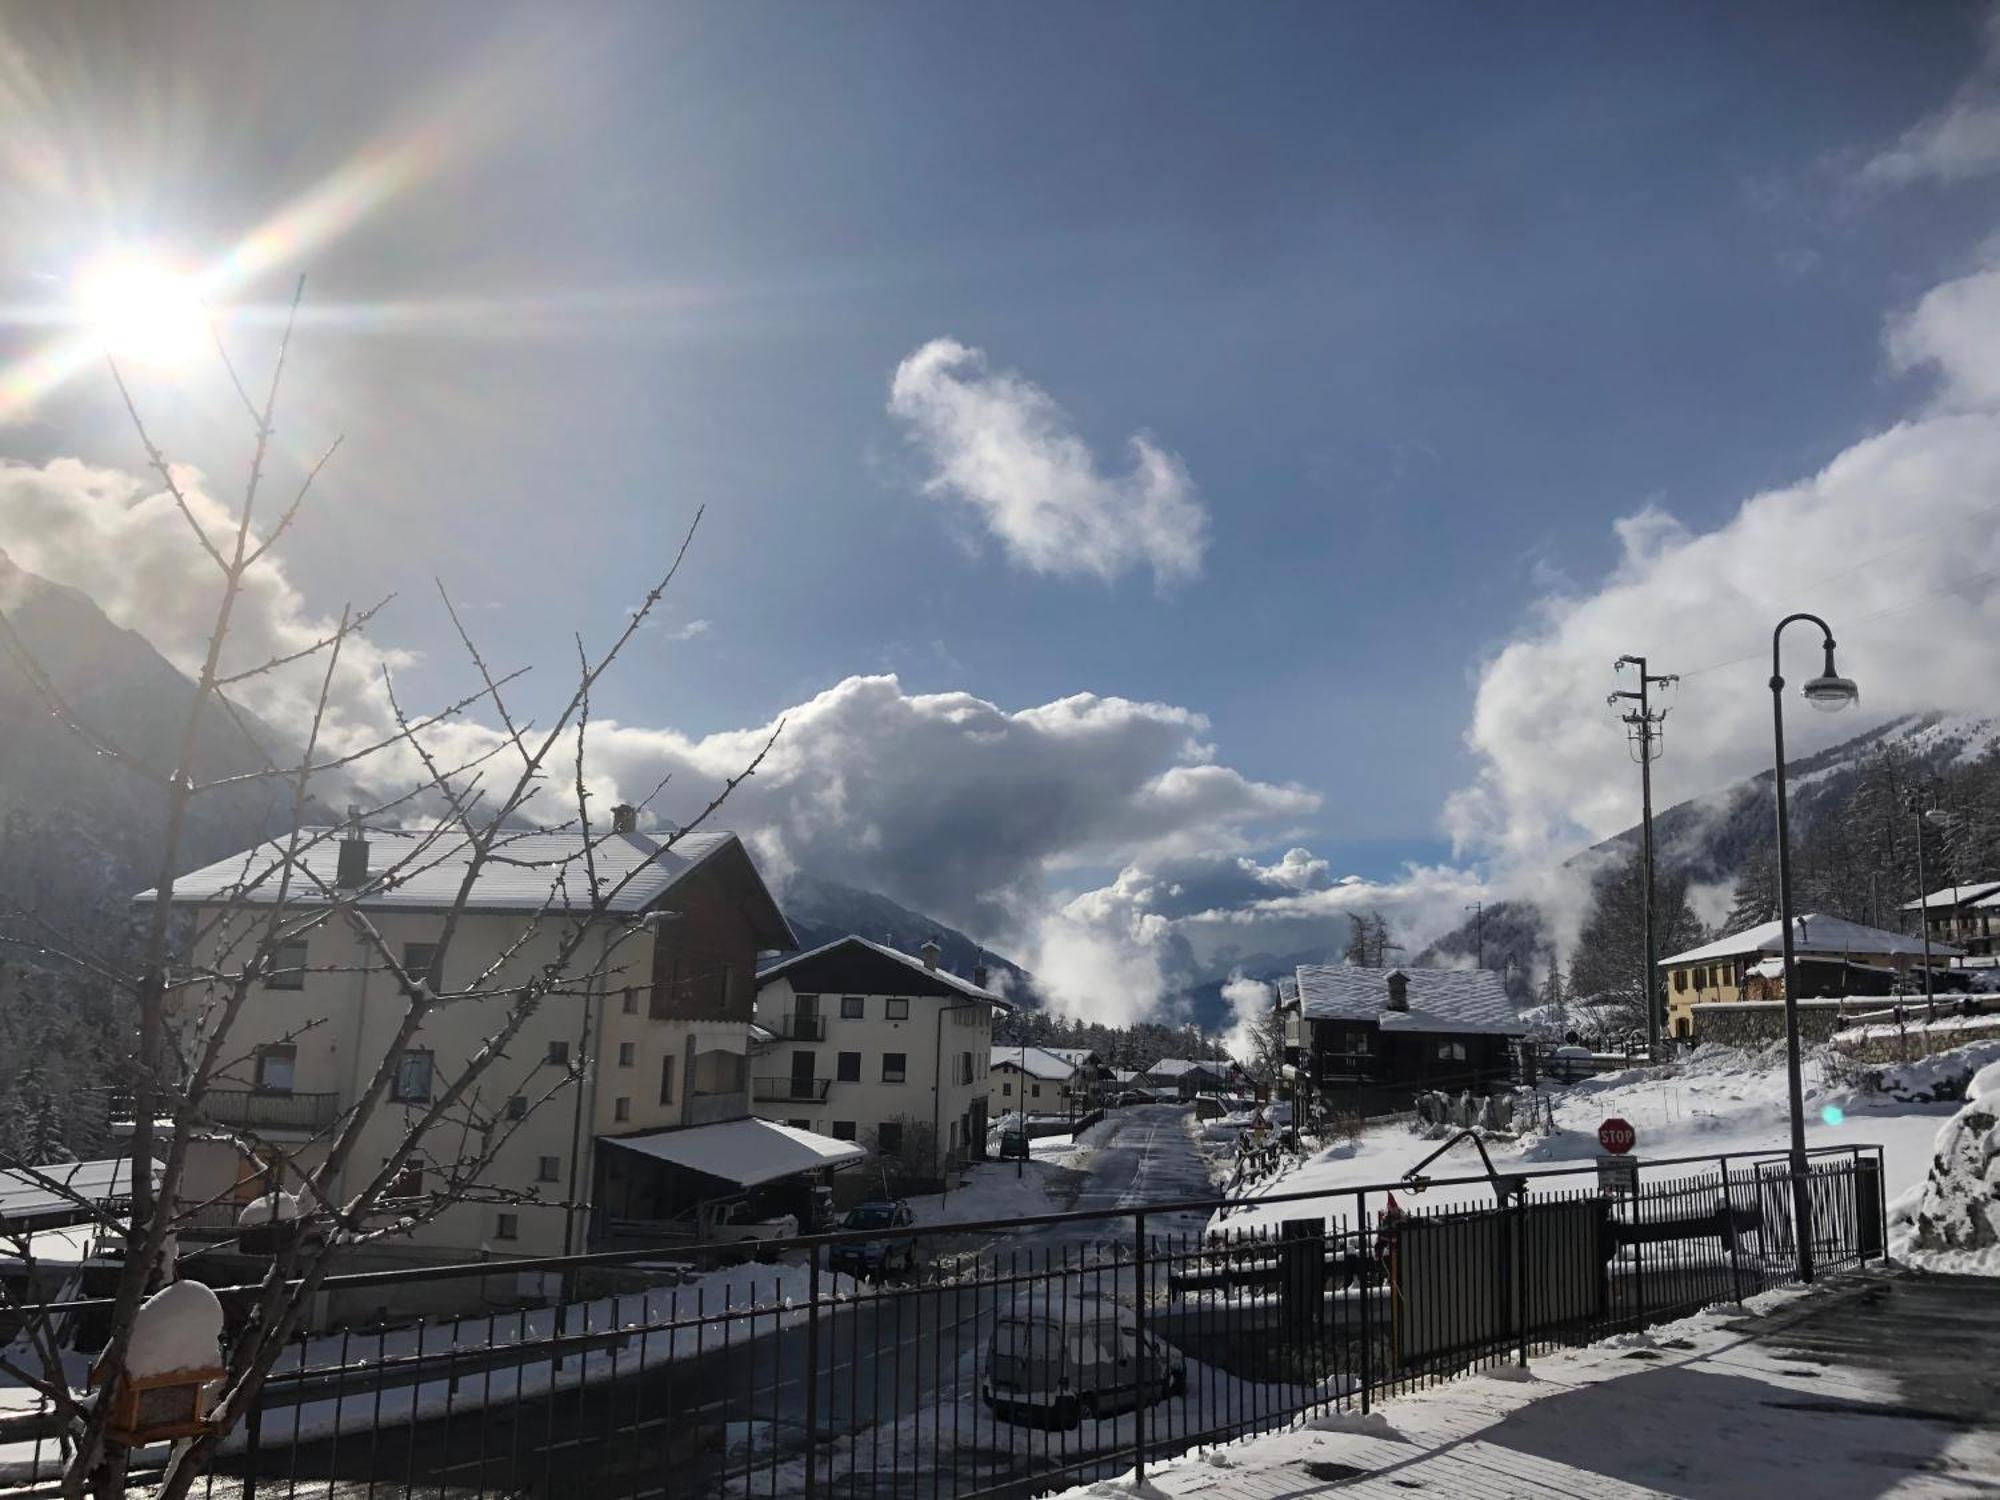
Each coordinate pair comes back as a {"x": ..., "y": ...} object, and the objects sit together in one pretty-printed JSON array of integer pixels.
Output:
[
  {"x": 1478, "y": 910},
  {"x": 1643, "y": 728},
  {"x": 1922, "y": 815}
]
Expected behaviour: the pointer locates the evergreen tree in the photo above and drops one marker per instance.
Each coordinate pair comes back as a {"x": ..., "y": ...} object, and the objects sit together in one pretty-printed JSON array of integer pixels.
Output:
[{"x": 1611, "y": 948}]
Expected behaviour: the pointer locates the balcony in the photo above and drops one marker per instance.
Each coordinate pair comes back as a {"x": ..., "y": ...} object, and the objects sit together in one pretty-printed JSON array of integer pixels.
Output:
[
  {"x": 797, "y": 1028},
  {"x": 256, "y": 1109},
  {"x": 790, "y": 1090}
]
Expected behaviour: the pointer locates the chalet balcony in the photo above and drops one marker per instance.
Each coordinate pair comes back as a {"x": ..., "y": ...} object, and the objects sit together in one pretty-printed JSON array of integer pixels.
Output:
[
  {"x": 799, "y": 1028},
  {"x": 781, "y": 1090},
  {"x": 252, "y": 1109}
]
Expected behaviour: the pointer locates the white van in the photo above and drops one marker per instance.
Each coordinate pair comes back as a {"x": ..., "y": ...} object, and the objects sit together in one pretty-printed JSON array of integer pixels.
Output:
[{"x": 1039, "y": 1370}]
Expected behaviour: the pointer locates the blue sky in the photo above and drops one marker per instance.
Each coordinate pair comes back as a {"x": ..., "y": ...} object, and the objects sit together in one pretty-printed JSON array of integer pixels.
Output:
[{"x": 1415, "y": 300}]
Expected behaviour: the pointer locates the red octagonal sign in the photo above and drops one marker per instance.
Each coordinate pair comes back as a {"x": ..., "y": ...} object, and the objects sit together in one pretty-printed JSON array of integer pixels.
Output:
[{"x": 1616, "y": 1136}]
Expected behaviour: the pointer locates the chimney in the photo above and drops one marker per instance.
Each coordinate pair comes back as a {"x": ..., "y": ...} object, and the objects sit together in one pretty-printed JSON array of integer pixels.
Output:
[
  {"x": 624, "y": 818},
  {"x": 352, "y": 871},
  {"x": 979, "y": 975},
  {"x": 1399, "y": 990},
  {"x": 930, "y": 951}
]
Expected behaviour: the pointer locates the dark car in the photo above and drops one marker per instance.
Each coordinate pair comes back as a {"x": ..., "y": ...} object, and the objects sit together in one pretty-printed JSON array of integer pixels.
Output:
[
  {"x": 1014, "y": 1145},
  {"x": 1134, "y": 1096},
  {"x": 894, "y": 1255}
]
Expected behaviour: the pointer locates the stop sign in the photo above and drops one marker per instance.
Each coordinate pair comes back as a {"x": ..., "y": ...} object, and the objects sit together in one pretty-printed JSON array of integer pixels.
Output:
[{"x": 1616, "y": 1136}]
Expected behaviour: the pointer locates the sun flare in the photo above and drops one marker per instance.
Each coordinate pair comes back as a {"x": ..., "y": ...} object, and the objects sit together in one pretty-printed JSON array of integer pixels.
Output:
[{"x": 143, "y": 310}]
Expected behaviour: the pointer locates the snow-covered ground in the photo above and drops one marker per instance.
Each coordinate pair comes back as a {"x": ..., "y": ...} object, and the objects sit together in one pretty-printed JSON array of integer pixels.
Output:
[{"x": 1717, "y": 1100}]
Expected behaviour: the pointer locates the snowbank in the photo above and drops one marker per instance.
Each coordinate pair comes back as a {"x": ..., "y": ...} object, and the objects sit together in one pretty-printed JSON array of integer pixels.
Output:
[
  {"x": 1716, "y": 1100},
  {"x": 1957, "y": 1219}
]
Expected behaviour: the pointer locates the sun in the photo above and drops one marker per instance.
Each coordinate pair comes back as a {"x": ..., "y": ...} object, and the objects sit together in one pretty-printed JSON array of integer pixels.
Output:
[{"x": 143, "y": 310}]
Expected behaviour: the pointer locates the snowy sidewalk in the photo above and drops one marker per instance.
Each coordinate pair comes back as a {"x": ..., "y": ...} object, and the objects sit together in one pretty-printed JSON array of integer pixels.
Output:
[{"x": 1872, "y": 1387}]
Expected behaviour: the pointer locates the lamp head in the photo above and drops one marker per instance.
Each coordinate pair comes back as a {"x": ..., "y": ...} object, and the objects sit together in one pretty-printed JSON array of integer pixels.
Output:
[{"x": 1830, "y": 692}]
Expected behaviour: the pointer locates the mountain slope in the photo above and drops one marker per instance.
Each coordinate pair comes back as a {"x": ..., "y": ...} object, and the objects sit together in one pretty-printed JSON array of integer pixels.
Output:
[{"x": 822, "y": 910}]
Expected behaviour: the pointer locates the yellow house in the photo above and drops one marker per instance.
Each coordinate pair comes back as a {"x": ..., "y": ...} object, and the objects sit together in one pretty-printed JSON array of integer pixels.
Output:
[{"x": 1834, "y": 956}]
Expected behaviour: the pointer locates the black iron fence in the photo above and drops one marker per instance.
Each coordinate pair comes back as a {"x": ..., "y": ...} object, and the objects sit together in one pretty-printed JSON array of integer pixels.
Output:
[{"x": 1000, "y": 1358}]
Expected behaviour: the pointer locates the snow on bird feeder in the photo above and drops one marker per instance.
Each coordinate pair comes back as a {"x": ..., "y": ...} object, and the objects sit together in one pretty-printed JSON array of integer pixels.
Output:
[{"x": 174, "y": 1353}]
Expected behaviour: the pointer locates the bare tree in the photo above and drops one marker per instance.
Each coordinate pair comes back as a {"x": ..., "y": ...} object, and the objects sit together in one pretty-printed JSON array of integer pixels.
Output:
[{"x": 194, "y": 964}]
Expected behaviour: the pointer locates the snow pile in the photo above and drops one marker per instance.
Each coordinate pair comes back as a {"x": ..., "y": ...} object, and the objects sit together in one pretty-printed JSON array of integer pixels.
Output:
[
  {"x": 1958, "y": 1217},
  {"x": 1941, "y": 1076},
  {"x": 178, "y": 1328}
]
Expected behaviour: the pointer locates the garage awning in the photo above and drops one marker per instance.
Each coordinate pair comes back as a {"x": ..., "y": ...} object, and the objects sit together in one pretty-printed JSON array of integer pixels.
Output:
[
  {"x": 54, "y": 1190},
  {"x": 746, "y": 1152}
]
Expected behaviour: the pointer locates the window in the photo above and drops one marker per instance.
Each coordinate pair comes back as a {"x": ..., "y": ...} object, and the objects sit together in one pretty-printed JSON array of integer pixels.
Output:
[
  {"x": 517, "y": 1106},
  {"x": 559, "y": 1054},
  {"x": 1451, "y": 1051},
  {"x": 286, "y": 967},
  {"x": 1036, "y": 1090},
  {"x": 800, "y": 1124},
  {"x": 548, "y": 1168},
  {"x": 628, "y": 1054},
  {"x": 420, "y": 962},
  {"x": 843, "y": 1130},
  {"x": 889, "y": 1138},
  {"x": 847, "y": 1067},
  {"x": 852, "y": 1007},
  {"x": 628, "y": 1002},
  {"x": 965, "y": 1067},
  {"x": 1680, "y": 981},
  {"x": 412, "y": 1084},
  {"x": 621, "y": 1108},
  {"x": 896, "y": 1010},
  {"x": 506, "y": 1226},
  {"x": 1006, "y": 1091},
  {"x": 408, "y": 1183},
  {"x": 274, "y": 1068},
  {"x": 667, "y": 1080},
  {"x": 892, "y": 1067}
]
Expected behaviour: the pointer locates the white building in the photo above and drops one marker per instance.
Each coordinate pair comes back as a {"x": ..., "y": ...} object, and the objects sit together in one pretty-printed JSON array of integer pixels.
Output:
[
  {"x": 624, "y": 1087},
  {"x": 873, "y": 1045},
  {"x": 1040, "y": 1080}
]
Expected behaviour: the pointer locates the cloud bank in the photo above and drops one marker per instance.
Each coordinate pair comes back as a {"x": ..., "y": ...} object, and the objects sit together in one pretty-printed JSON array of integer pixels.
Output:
[{"x": 1000, "y": 445}]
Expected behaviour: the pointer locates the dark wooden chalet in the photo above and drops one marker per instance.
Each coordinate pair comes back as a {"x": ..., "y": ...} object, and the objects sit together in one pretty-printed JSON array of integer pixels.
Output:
[{"x": 1370, "y": 1039}]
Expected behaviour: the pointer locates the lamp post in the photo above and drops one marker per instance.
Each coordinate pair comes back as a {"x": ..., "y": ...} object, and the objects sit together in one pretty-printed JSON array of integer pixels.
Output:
[{"x": 1829, "y": 692}]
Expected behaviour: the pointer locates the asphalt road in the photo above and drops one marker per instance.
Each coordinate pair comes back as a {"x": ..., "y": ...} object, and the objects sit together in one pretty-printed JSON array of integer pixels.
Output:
[{"x": 732, "y": 1420}]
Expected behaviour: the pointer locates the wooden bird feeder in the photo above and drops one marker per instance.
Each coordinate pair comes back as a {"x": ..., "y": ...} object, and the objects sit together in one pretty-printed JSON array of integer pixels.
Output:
[
  {"x": 159, "y": 1408},
  {"x": 175, "y": 1346}
]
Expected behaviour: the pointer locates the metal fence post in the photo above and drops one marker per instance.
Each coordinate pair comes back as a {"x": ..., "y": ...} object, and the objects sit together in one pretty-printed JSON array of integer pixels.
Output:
[
  {"x": 1363, "y": 1258},
  {"x": 1518, "y": 1255},
  {"x": 1139, "y": 1321},
  {"x": 1730, "y": 1243},
  {"x": 253, "y": 1437},
  {"x": 812, "y": 1376}
]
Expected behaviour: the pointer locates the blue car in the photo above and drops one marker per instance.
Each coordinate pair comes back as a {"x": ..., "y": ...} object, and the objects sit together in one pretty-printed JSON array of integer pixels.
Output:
[{"x": 895, "y": 1255}]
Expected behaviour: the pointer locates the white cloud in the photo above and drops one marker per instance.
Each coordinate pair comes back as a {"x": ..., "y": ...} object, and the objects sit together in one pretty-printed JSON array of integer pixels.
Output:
[
  {"x": 1250, "y": 1002},
  {"x": 1961, "y": 140},
  {"x": 1001, "y": 445},
  {"x": 690, "y": 631},
  {"x": 1895, "y": 542},
  {"x": 123, "y": 542}
]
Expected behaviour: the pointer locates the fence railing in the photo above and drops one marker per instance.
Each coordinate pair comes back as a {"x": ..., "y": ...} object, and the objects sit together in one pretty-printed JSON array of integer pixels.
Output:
[
  {"x": 782, "y": 1089},
  {"x": 265, "y": 1109},
  {"x": 1056, "y": 1351}
]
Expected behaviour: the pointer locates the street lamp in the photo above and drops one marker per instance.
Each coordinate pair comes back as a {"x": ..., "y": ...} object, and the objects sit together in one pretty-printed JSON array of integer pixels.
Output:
[{"x": 1829, "y": 692}]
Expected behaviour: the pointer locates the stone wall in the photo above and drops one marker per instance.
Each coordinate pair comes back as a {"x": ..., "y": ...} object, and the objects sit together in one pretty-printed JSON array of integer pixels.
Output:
[{"x": 1753, "y": 1023}]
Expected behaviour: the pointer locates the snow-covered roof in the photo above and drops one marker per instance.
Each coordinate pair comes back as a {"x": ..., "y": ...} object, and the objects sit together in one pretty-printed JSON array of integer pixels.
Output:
[
  {"x": 1966, "y": 893},
  {"x": 1037, "y": 1062},
  {"x": 745, "y": 1152},
  {"x": 1077, "y": 1055},
  {"x": 1174, "y": 1067},
  {"x": 943, "y": 976},
  {"x": 1812, "y": 934},
  {"x": 1450, "y": 1000},
  {"x": 25, "y": 1196},
  {"x": 422, "y": 869}
]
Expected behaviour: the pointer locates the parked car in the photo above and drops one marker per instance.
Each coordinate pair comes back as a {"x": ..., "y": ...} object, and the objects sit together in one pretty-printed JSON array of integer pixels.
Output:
[
  {"x": 1570, "y": 1062},
  {"x": 1014, "y": 1145},
  {"x": 1041, "y": 1370},
  {"x": 1133, "y": 1096},
  {"x": 890, "y": 1256}
]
